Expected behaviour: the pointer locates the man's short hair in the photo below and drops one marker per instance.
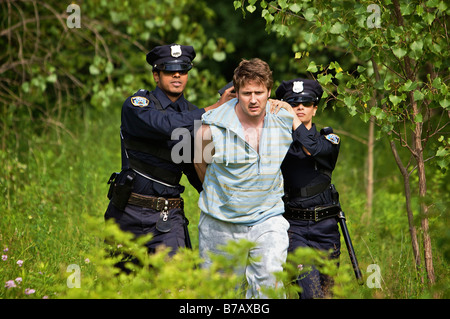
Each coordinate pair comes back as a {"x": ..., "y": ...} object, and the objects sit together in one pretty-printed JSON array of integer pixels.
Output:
[{"x": 252, "y": 70}]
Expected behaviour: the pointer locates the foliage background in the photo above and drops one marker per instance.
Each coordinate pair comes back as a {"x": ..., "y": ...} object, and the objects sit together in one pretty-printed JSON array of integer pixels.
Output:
[{"x": 61, "y": 90}]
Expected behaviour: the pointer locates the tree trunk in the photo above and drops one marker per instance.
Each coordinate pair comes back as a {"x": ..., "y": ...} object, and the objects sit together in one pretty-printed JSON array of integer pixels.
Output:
[
  {"x": 428, "y": 255},
  {"x": 412, "y": 228},
  {"x": 367, "y": 216}
]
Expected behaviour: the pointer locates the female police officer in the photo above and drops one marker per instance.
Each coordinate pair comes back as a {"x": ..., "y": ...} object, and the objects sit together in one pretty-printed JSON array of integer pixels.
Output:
[
  {"x": 145, "y": 196},
  {"x": 307, "y": 170}
]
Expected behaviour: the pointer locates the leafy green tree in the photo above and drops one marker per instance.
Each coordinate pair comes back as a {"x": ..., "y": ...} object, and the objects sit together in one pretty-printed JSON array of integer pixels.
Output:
[
  {"x": 399, "y": 79},
  {"x": 61, "y": 59}
]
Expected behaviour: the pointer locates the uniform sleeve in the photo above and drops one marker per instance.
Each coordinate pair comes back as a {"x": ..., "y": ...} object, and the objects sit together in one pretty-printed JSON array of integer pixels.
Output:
[
  {"x": 191, "y": 174},
  {"x": 148, "y": 122},
  {"x": 324, "y": 151}
]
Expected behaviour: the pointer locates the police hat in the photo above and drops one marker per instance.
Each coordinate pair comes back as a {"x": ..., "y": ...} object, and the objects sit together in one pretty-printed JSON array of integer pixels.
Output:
[
  {"x": 171, "y": 57},
  {"x": 299, "y": 90}
]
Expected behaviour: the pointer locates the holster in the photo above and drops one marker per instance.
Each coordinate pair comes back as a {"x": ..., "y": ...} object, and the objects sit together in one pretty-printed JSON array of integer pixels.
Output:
[
  {"x": 119, "y": 193},
  {"x": 334, "y": 195},
  {"x": 111, "y": 182}
]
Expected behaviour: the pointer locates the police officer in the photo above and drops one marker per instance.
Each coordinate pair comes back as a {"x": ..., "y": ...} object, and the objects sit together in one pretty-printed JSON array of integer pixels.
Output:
[
  {"x": 145, "y": 195},
  {"x": 307, "y": 170}
]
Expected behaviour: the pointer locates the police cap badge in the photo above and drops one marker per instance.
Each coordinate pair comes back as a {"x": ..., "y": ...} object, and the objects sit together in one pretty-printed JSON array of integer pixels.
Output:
[
  {"x": 297, "y": 86},
  {"x": 175, "y": 50}
]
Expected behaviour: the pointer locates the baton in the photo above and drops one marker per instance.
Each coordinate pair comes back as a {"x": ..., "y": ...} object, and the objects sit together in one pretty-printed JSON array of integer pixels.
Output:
[
  {"x": 351, "y": 251},
  {"x": 187, "y": 238}
]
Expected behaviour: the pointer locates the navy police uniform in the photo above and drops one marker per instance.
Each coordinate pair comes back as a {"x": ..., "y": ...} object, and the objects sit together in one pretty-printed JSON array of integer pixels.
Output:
[
  {"x": 308, "y": 188},
  {"x": 145, "y": 195}
]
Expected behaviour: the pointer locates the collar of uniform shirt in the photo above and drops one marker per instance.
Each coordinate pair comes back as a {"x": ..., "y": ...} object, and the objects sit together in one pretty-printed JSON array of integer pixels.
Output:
[
  {"x": 176, "y": 106},
  {"x": 166, "y": 102}
]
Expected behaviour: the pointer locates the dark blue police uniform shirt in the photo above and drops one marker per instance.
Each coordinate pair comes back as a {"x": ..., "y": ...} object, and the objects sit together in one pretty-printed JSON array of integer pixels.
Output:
[
  {"x": 147, "y": 122},
  {"x": 301, "y": 170}
]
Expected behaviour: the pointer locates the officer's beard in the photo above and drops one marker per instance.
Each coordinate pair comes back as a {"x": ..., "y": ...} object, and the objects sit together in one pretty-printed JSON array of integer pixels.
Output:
[{"x": 173, "y": 96}]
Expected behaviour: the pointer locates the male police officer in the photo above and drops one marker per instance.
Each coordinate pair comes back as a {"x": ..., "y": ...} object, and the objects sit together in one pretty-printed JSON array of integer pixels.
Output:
[
  {"x": 145, "y": 196},
  {"x": 307, "y": 170}
]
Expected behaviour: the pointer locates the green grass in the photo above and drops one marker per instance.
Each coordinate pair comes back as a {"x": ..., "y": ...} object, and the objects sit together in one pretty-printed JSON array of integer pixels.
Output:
[{"x": 54, "y": 197}]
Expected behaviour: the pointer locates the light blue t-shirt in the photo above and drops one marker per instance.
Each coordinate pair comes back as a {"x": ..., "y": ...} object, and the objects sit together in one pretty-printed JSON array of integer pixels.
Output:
[{"x": 241, "y": 185}]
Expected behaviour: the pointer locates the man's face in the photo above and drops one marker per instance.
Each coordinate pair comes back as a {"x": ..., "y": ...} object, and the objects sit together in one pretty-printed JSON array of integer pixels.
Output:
[
  {"x": 252, "y": 98},
  {"x": 172, "y": 83}
]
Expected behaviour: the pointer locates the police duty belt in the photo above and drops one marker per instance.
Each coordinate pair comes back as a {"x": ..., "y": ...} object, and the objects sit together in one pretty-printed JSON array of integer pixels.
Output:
[
  {"x": 156, "y": 203},
  {"x": 312, "y": 214}
]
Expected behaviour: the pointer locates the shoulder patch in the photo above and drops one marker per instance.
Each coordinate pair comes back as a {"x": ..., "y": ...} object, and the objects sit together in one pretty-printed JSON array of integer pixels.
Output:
[
  {"x": 139, "y": 101},
  {"x": 333, "y": 138}
]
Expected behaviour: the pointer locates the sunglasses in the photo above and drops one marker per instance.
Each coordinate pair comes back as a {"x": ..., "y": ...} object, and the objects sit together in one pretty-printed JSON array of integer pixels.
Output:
[
  {"x": 173, "y": 72},
  {"x": 305, "y": 104}
]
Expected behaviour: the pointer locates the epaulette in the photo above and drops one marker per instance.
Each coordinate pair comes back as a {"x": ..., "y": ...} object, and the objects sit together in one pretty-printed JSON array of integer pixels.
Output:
[
  {"x": 142, "y": 92},
  {"x": 326, "y": 130}
]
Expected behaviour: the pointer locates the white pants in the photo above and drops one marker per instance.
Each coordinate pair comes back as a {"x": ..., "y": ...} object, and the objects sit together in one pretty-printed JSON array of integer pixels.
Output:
[{"x": 267, "y": 257}]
